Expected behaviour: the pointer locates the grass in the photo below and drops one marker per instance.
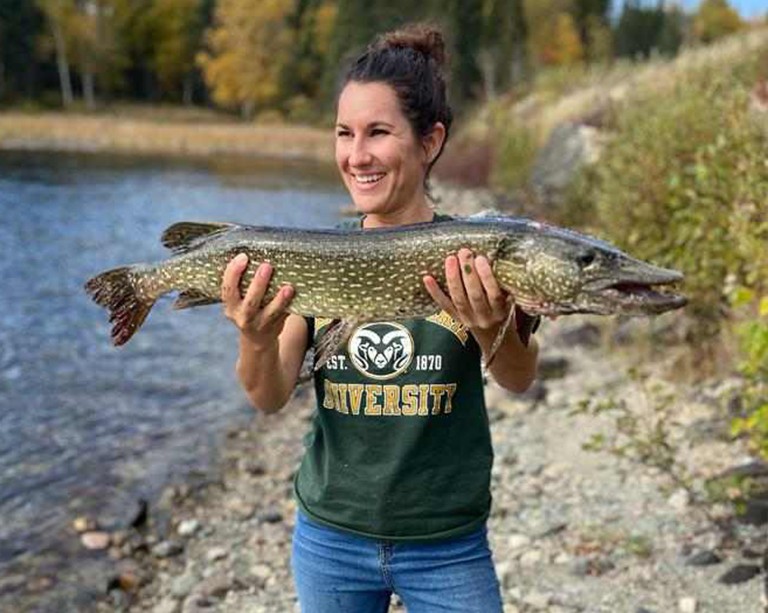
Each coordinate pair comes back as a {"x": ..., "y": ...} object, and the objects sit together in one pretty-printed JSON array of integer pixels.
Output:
[{"x": 160, "y": 130}]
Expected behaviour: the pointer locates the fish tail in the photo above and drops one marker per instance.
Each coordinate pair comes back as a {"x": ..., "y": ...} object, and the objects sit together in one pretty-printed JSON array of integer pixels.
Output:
[{"x": 115, "y": 290}]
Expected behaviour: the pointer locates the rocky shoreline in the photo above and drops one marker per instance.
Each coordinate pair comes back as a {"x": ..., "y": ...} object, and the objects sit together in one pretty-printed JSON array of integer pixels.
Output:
[{"x": 571, "y": 530}]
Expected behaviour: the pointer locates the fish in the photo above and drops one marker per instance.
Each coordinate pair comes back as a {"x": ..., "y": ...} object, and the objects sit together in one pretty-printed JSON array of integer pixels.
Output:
[{"x": 353, "y": 276}]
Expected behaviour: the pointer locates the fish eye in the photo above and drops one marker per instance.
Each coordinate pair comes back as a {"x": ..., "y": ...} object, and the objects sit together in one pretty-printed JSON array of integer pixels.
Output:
[{"x": 586, "y": 258}]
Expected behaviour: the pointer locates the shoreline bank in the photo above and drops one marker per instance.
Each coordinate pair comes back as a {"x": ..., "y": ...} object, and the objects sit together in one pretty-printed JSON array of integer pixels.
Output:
[
  {"x": 571, "y": 530},
  {"x": 80, "y": 133}
]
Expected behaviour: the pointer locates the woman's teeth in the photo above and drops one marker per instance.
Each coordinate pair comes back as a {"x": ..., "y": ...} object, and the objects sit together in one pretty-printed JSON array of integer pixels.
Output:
[{"x": 369, "y": 178}]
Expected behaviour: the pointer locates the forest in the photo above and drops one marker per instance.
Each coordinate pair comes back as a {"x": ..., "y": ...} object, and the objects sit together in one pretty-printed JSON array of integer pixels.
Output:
[{"x": 281, "y": 58}]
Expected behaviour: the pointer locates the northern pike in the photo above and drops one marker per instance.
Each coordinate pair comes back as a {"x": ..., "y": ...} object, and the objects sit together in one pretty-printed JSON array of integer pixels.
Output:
[{"x": 357, "y": 276}]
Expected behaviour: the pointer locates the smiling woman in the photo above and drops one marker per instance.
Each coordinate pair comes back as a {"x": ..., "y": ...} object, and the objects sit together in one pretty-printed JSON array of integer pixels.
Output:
[
  {"x": 381, "y": 160},
  {"x": 394, "y": 486}
]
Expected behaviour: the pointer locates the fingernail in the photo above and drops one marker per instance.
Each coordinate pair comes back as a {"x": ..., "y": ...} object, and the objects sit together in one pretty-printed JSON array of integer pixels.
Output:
[
  {"x": 264, "y": 269},
  {"x": 241, "y": 258}
]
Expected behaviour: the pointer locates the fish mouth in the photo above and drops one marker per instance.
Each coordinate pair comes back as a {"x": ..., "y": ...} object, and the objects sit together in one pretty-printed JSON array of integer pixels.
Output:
[{"x": 636, "y": 297}]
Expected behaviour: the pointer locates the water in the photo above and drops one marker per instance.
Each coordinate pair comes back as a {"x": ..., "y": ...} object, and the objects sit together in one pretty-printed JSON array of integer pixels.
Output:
[{"x": 86, "y": 428}]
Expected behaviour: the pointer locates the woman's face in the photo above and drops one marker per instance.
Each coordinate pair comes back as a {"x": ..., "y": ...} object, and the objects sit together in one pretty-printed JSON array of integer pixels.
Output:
[{"x": 380, "y": 159}]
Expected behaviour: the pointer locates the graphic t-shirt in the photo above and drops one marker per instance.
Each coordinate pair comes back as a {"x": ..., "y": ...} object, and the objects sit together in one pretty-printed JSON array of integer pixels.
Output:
[{"x": 400, "y": 445}]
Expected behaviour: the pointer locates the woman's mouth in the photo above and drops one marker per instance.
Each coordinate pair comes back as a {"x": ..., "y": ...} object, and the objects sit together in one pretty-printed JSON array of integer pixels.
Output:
[{"x": 368, "y": 180}]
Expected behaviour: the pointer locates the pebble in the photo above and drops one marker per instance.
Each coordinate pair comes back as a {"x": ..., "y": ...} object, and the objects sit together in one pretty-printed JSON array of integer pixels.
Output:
[
  {"x": 215, "y": 586},
  {"x": 188, "y": 527},
  {"x": 183, "y": 585},
  {"x": 216, "y": 553},
  {"x": 83, "y": 524},
  {"x": 95, "y": 540},
  {"x": 167, "y": 549},
  {"x": 704, "y": 558},
  {"x": 538, "y": 600},
  {"x": 167, "y": 605},
  {"x": 740, "y": 573},
  {"x": 531, "y": 557},
  {"x": 518, "y": 541},
  {"x": 688, "y": 604},
  {"x": 680, "y": 500}
]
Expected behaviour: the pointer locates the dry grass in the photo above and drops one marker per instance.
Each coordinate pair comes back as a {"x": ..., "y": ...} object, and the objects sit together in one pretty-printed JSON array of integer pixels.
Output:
[
  {"x": 161, "y": 132},
  {"x": 597, "y": 90}
]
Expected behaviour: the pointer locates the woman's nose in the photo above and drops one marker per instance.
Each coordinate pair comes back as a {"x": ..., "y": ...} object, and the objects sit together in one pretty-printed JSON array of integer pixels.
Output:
[{"x": 360, "y": 155}]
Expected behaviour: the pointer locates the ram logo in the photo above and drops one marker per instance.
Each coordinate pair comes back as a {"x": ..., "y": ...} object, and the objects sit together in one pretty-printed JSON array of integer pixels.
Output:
[{"x": 381, "y": 350}]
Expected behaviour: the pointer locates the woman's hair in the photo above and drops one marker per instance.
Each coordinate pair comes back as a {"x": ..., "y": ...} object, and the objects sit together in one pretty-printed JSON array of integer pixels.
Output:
[{"x": 410, "y": 60}]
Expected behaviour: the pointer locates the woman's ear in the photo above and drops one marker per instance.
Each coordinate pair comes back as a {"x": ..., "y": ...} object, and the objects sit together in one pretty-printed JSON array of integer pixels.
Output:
[{"x": 433, "y": 142}]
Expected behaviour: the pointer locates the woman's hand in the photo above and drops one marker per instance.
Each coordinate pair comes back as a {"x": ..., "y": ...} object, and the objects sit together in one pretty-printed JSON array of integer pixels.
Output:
[
  {"x": 474, "y": 296},
  {"x": 261, "y": 326}
]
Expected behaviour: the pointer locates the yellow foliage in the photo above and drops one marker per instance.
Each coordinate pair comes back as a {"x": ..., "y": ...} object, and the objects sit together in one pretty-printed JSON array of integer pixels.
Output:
[
  {"x": 325, "y": 18},
  {"x": 715, "y": 19},
  {"x": 248, "y": 47},
  {"x": 556, "y": 41}
]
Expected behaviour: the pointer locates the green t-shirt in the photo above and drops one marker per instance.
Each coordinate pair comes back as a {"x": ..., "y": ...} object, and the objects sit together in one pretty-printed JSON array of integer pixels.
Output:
[{"x": 400, "y": 446}]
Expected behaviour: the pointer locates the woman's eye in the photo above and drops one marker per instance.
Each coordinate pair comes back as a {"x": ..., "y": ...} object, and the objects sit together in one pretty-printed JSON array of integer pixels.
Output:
[
  {"x": 378, "y": 132},
  {"x": 342, "y": 133}
]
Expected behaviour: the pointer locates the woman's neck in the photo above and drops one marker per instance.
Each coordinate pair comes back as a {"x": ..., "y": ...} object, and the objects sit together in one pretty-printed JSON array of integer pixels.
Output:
[{"x": 423, "y": 213}]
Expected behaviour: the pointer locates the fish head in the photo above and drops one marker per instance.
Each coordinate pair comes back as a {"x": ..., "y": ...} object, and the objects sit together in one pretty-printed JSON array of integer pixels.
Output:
[{"x": 552, "y": 271}]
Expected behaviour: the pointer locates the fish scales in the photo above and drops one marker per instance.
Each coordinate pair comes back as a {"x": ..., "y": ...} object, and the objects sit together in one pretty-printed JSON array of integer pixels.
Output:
[{"x": 357, "y": 275}]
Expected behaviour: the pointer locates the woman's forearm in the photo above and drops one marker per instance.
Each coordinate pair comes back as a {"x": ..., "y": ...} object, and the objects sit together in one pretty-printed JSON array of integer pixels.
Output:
[
  {"x": 266, "y": 378},
  {"x": 514, "y": 365}
]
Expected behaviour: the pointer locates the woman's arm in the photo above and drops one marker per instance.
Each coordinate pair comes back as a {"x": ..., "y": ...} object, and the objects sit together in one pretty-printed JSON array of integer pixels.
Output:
[{"x": 272, "y": 341}]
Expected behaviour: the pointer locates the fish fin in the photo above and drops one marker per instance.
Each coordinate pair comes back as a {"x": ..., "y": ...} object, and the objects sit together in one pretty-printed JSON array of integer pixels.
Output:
[
  {"x": 193, "y": 298},
  {"x": 185, "y": 235},
  {"x": 115, "y": 290},
  {"x": 335, "y": 336},
  {"x": 500, "y": 336},
  {"x": 526, "y": 325}
]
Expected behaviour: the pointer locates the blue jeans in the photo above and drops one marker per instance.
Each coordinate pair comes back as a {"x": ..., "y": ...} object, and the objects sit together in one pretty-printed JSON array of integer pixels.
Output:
[{"x": 339, "y": 572}]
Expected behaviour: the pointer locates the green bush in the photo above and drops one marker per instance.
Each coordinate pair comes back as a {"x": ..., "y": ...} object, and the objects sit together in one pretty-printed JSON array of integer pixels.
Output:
[{"x": 684, "y": 183}]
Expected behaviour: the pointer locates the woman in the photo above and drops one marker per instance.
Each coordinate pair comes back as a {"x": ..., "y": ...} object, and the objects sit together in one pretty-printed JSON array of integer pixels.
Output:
[{"x": 394, "y": 487}]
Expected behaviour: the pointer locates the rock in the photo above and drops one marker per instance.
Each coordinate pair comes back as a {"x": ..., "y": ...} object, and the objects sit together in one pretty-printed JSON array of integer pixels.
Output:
[
  {"x": 84, "y": 524},
  {"x": 505, "y": 573},
  {"x": 188, "y": 527},
  {"x": 140, "y": 514},
  {"x": 562, "y": 558},
  {"x": 182, "y": 586},
  {"x": 680, "y": 500},
  {"x": 251, "y": 467},
  {"x": 167, "y": 605},
  {"x": 271, "y": 517},
  {"x": 687, "y": 604},
  {"x": 241, "y": 509},
  {"x": 216, "y": 553},
  {"x": 704, "y": 558},
  {"x": 518, "y": 541},
  {"x": 740, "y": 573},
  {"x": 260, "y": 573},
  {"x": 569, "y": 147},
  {"x": 95, "y": 540},
  {"x": 538, "y": 600},
  {"x": 215, "y": 586},
  {"x": 167, "y": 549},
  {"x": 552, "y": 367},
  {"x": 643, "y": 610},
  {"x": 531, "y": 557}
]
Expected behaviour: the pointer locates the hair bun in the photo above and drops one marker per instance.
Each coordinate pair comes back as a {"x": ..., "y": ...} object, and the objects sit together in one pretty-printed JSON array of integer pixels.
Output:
[{"x": 425, "y": 39}]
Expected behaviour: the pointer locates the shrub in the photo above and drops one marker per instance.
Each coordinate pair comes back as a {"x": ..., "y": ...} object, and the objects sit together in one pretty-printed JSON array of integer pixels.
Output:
[{"x": 684, "y": 183}]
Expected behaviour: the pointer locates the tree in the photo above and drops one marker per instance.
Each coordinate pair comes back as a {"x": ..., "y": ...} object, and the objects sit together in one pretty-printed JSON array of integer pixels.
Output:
[
  {"x": 553, "y": 38},
  {"x": 61, "y": 15},
  {"x": 248, "y": 46},
  {"x": 21, "y": 27},
  {"x": 638, "y": 30},
  {"x": 175, "y": 27},
  {"x": 715, "y": 19}
]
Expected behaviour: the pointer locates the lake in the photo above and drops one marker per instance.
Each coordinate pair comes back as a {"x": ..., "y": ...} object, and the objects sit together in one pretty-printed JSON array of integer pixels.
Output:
[{"x": 87, "y": 428}]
